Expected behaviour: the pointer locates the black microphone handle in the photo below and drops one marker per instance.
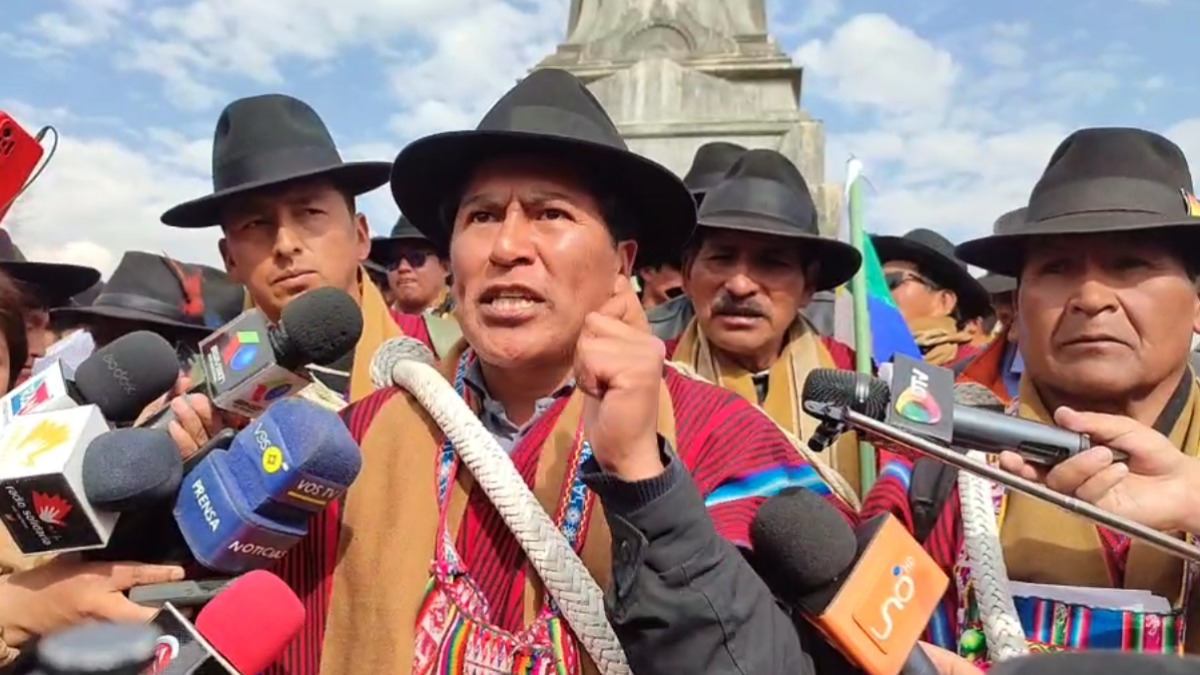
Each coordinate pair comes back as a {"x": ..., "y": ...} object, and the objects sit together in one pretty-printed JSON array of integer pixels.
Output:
[{"x": 993, "y": 432}]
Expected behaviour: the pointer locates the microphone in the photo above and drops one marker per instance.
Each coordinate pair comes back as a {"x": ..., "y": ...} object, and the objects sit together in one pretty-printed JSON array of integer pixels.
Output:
[
  {"x": 131, "y": 469},
  {"x": 97, "y": 648},
  {"x": 42, "y": 495},
  {"x": 871, "y": 592},
  {"x": 122, "y": 378},
  {"x": 241, "y": 631},
  {"x": 1098, "y": 663},
  {"x": 249, "y": 364},
  {"x": 394, "y": 351},
  {"x": 921, "y": 401},
  {"x": 242, "y": 509},
  {"x": 64, "y": 478}
]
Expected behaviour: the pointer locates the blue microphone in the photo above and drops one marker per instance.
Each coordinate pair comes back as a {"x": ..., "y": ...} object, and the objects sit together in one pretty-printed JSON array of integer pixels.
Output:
[{"x": 242, "y": 509}]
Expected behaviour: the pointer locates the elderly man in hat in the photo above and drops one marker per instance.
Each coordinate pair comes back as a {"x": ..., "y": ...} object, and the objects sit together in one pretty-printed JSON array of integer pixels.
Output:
[
  {"x": 1105, "y": 262},
  {"x": 543, "y": 210},
  {"x": 751, "y": 268},
  {"x": 934, "y": 291}
]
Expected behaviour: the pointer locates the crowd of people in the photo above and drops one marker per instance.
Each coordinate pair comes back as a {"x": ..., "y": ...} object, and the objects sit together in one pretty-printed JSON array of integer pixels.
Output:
[{"x": 637, "y": 343}]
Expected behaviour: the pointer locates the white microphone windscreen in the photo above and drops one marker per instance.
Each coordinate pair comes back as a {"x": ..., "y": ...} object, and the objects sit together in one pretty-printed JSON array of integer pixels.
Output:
[{"x": 394, "y": 351}]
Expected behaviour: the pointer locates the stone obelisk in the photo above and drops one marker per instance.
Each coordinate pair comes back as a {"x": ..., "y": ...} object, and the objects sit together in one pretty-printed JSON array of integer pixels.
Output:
[{"x": 675, "y": 74}]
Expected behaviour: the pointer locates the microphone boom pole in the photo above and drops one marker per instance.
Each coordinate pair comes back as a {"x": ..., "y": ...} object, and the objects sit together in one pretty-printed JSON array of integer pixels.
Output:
[{"x": 834, "y": 416}]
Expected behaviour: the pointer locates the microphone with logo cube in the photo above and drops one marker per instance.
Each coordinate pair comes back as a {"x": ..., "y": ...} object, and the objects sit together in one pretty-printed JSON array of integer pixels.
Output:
[
  {"x": 241, "y": 509},
  {"x": 42, "y": 499},
  {"x": 249, "y": 363}
]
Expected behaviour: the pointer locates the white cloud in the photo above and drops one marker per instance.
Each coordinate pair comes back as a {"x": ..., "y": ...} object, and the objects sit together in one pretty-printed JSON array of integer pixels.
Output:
[
  {"x": 952, "y": 133},
  {"x": 106, "y": 187}
]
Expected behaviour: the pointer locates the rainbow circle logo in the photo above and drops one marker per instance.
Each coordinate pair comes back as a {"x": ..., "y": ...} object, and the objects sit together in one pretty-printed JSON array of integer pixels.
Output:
[{"x": 918, "y": 406}]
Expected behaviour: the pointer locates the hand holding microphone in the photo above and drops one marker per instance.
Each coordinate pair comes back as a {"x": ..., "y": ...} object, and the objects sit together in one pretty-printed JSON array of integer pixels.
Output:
[
  {"x": 250, "y": 364},
  {"x": 1157, "y": 485}
]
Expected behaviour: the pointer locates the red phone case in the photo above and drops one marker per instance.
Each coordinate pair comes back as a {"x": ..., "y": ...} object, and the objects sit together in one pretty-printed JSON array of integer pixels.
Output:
[{"x": 19, "y": 156}]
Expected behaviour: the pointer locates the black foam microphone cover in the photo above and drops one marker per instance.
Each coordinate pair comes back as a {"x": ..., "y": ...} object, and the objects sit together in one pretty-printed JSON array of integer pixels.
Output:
[
  {"x": 128, "y": 374},
  {"x": 129, "y": 469},
  {"x": 782, "y": 526},
  {"x": 319, "y": 327},
  {"x": 860, "y": 392}
]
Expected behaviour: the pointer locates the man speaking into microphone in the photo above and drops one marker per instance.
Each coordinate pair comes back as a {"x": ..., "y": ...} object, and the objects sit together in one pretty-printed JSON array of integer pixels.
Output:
[{"x": 543, "y": 210}]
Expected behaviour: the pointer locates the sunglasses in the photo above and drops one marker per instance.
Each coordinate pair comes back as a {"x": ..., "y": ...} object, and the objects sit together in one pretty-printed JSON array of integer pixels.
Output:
[
  {"x": 897, "y": 279},
  {"x": 414, "y": 258}
]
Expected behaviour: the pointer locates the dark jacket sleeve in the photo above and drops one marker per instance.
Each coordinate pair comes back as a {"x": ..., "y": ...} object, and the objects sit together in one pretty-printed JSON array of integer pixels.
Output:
[{"x": 684, "y": 599}]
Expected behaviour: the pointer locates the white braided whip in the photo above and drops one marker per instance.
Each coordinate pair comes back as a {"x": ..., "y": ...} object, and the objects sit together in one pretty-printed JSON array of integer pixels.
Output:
[
  {"x": 568, "y": 581},
  {"x": 989, "y": 574},
  {"x": 832, "y": 478}
]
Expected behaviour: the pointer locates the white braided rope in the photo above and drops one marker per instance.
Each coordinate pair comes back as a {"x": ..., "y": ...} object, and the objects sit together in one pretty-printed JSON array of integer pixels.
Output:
[
  {"x": 568, "y": 581},
  {"x": 832, "y": 478},
  {"x": 989, "y": 574}
]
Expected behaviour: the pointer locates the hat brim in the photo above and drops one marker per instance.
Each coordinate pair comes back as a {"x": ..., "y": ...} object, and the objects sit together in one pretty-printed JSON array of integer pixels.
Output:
[
  {"x": 427, "y": 171},
  {"x": 79, "y": 315},
  {"x": 355, "y": 177},
  {"x": 1005, "y": 253},
  {"x": 52, "y": 283},
  {"x": 973, "y": 298},
  {"x": 838, "y": 261}
]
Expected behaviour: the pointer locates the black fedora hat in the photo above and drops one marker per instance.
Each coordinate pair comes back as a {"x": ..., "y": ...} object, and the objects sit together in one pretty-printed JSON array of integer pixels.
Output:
[
  {"x": 934, "y": 255},
  {"x": 1102, "y": 180},
  {"x": 550, "y": 112},
  {"x": 763, "y": 192},
  {"x": 51, "y": 284},
  {"x": 158, "y": 290},
  {"x": 381, "y": 247},
  {"x": 268, "y": 140},
  {"x": 709, "y": 166}
]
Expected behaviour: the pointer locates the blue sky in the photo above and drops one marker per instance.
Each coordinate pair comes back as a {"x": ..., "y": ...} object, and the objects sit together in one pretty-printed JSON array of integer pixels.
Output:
[{"x": 954, "y": 106}]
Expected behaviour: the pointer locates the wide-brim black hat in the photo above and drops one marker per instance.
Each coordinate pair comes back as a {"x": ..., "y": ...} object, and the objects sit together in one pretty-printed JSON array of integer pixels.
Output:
[
  {"x": 1104, "y": 180},
  {"x": 154, "y": 289},
  {"x": 271, "y": 140},
  {"x": 709, "y": 166},
  {"x": 550, "y": 112},
  {"x": 52, "y": 284},
  {"x": 764, "y": 193},
  {"x": 382, "y": 248},
  {"x": 933, "y": 254}
]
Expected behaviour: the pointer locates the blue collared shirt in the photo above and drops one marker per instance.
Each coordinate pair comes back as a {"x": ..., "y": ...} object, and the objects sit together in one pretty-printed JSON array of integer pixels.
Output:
[
  {"x": 1012, "y": 368},
  {"x": 493, "y": 416}
]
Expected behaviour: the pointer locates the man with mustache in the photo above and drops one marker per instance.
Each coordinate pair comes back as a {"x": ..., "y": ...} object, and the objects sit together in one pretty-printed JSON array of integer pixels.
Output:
[
  {"x": 543, "y": 210},
  {"x": 755, "y": 261},
  {"x": 1106, "y": 263}
]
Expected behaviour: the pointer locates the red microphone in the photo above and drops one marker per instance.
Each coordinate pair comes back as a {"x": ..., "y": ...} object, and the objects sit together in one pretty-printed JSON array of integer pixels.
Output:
[{"x": 242, "y": 631}]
